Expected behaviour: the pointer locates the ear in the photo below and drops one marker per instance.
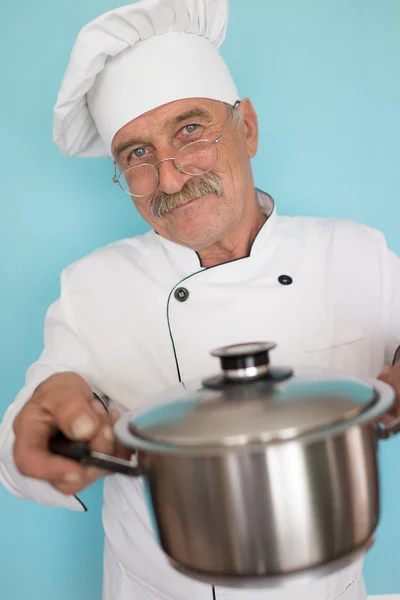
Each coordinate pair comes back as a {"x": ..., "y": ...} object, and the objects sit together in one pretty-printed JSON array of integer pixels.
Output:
[{"x": 250, "y": 126}]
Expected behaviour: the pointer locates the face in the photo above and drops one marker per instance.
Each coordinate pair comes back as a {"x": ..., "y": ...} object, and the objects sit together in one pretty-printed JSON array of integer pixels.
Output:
[{"x": 190, "y": 209}]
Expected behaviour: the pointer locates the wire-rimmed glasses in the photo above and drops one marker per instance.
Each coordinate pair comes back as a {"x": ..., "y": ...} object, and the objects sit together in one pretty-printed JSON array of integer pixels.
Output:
[{"x": 195, "y": 158}]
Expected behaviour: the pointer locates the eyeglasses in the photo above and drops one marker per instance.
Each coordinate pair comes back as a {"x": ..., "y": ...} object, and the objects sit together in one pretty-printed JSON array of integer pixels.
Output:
[{"x": 195, "y": 158}]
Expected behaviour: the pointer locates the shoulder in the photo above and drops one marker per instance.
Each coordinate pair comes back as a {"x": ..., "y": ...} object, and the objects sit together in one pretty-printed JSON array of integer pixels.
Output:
[
  {"x": 335, "y": 245},
  {"x": 320, "y": 230},
  {"x": 115, "y": 258}
]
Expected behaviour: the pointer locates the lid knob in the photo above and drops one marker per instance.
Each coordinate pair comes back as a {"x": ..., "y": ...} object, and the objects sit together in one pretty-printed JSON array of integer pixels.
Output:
[{"x": 241, "y": 362}]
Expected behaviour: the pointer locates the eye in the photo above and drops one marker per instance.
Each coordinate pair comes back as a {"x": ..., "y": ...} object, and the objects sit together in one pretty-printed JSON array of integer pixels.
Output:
[
  {"x": 138, "y": 153},
  {"x": 190, "y": 128}
]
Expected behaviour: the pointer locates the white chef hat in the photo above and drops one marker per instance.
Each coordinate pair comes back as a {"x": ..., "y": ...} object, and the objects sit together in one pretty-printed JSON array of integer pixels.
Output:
[{"x": 135, "y": 58}]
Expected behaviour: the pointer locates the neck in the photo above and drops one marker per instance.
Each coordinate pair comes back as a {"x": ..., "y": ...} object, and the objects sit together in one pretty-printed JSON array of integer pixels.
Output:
[{"x": 236, "y": 244}]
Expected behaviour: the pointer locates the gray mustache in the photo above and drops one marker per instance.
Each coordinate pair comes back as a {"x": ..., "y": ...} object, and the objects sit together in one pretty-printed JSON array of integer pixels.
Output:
[{"x": 192, "y": 190}]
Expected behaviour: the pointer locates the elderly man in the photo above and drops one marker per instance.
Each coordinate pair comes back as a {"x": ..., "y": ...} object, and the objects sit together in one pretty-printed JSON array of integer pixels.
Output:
[{"x": 146, "y": 87}]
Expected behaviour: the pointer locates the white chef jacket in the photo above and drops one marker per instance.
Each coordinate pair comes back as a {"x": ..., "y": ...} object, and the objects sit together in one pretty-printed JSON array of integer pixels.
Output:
[{"x": 141, "y": 314}]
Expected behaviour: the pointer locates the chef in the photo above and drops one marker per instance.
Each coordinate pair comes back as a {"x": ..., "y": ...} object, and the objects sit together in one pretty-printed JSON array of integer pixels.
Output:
[{"x": 147, "y": 89}]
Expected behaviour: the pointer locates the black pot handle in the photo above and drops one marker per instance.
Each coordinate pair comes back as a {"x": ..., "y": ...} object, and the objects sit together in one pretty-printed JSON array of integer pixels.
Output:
[
  {"x": 385, "y": 432},
  {"x": 81, "y": 453}
]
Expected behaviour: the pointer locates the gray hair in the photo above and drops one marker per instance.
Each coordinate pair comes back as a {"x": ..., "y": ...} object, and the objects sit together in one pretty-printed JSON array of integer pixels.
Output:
[{"x": 235, "y": 114}]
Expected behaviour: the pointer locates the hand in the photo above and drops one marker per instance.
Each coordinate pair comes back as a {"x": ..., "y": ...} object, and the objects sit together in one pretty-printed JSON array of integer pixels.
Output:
[
  {"x": 391, "y": 376},
  {"x": 63, "y": 402}
]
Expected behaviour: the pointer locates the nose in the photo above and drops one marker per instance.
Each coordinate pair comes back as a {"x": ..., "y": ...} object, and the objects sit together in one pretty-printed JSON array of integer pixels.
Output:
[{"x": 171, "y": 180}]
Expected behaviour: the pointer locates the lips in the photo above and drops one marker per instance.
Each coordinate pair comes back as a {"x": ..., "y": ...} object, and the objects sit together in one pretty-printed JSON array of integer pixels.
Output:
[{"x": 187, "y": 202}]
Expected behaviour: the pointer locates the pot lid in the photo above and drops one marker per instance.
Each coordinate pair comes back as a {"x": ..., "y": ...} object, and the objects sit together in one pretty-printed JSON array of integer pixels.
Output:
[
  {"x": 292, "y": 410},
  {"x": 251, "y": 402}
]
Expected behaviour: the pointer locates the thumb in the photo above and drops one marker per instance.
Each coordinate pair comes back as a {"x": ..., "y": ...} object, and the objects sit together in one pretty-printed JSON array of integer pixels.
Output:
[{"x": 384, "y": 372}]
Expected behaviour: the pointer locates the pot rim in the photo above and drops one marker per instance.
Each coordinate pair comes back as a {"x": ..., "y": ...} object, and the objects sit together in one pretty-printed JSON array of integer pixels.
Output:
[{"x": 385, "y": 400}]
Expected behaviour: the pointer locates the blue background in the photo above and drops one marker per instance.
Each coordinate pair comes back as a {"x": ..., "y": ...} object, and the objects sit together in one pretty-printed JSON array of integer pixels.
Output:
[{"x": 324, "y": 78}]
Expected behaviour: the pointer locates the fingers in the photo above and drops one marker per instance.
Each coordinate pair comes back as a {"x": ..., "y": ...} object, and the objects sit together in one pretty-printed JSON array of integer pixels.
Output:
[
  {"x": 64, "y": 402},
  {"x": 391, "y": 376},
  {"x": 384, "y": 373},
  {"x": 33, "y": 430},
  {"x": 386, "y": 419},
  {"x": 88, "y": 475},
  {"x": 104, "y": 442},
  {"x": 71, "y": 408}
]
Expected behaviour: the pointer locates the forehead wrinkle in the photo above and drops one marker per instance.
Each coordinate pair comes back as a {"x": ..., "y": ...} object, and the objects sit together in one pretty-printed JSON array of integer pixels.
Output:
[{"x": 191, "y": 113}]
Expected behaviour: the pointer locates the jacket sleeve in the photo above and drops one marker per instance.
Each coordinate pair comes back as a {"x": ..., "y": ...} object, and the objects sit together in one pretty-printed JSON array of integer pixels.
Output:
[
  {"x": 63, "y": 351},
  {"x": 391, "y": 308}
]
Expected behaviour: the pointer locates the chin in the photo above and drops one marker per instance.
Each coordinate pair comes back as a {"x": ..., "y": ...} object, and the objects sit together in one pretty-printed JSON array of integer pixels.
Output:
[{"x": 197, "y": 236}]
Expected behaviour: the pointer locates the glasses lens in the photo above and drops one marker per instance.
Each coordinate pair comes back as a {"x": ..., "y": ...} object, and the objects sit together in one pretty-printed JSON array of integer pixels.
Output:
[
  {"x": 139, "y": 181},
  {"x": 197, "y": 158}
]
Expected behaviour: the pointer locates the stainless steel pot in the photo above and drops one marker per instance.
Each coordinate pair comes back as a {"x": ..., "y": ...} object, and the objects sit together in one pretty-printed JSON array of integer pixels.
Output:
[{"x": 257, "y": 477}]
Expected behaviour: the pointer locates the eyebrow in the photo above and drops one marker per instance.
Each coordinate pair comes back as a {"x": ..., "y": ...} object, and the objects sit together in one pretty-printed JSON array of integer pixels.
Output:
[
  {"x": 192, "y": 113},
  {"x": 117, "y": 151}
]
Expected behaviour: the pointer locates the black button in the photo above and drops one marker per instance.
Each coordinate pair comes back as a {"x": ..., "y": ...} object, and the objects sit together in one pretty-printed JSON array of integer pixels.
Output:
[
  {"x": 181, "y": 294},
  {"x": 285, "y": 279}
]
